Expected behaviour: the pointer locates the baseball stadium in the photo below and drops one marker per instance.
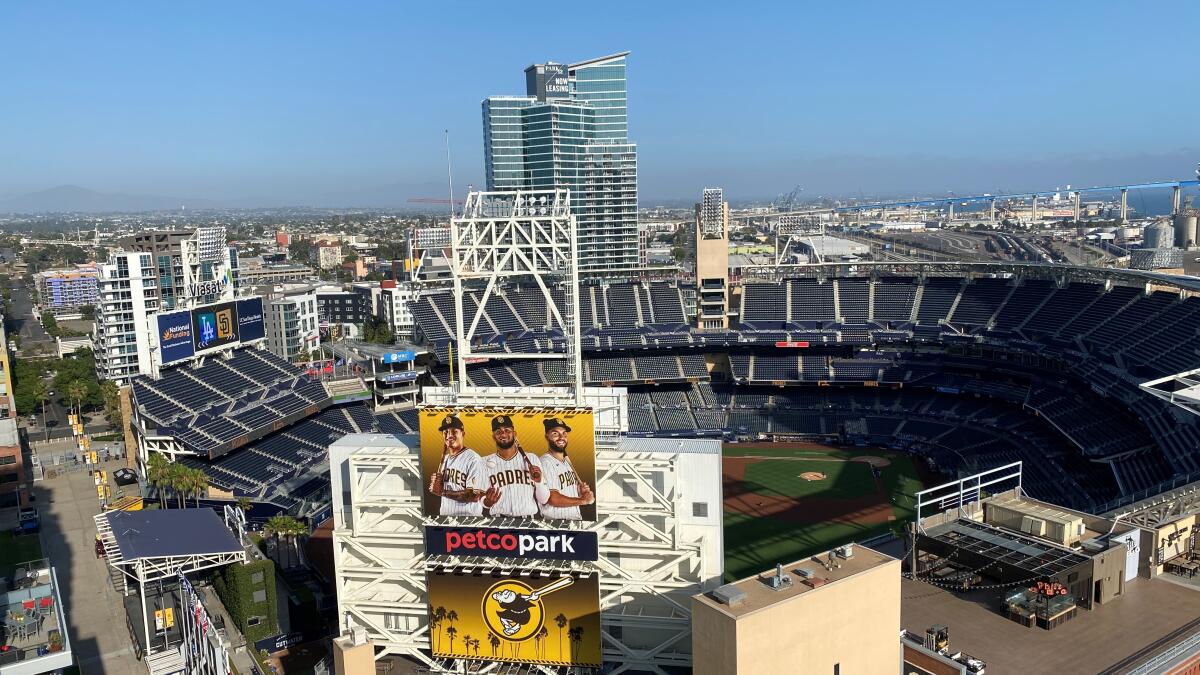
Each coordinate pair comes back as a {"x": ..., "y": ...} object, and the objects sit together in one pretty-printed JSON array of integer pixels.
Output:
[{"x": 833, "y": 395}]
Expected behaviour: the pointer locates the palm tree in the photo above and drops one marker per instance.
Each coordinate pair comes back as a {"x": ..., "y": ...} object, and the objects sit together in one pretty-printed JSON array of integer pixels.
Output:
[
  {"x": 198, "y": 484},
  {"x": 244, "y": 503},
  {"x": 284, "y": 527},
  {"x": 540, "y": 640},
  {"x": 41, "y": 392},
  {"x": 450, "y": 633},
  {"x": 494, "y": 641},
  {"x": 177, "y": 481},
  {"x": 439, "y": 615},
  {"x": 576, "y": 637},
  {"x": 157, "y": 471},
  {"x": 76, "y": 392},
  {"x": 451, "y": 617},
  {"x": 561, "y": 622},
  {"x": 475, "y": 647},
  {"x": 466, "y": 640}
]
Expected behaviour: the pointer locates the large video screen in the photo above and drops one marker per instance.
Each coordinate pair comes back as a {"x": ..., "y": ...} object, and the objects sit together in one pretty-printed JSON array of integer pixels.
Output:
[
  {"x": 550, "y": 620},
  {"x": 250, "y": 319},
  {"x": 214, "y": 326},
  {"x": 175, "y": 336},
  {"x": 509, "y": 462}
]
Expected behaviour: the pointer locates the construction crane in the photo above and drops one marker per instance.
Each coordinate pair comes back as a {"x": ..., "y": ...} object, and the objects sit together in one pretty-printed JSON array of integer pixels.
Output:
[{"x": 785, "y": 202}]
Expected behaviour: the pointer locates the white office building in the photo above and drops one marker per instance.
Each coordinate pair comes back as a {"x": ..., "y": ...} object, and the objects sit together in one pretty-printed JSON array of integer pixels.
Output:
[
  {"x": 292, "y": 321},
  {"x": 158, "y": 271}
]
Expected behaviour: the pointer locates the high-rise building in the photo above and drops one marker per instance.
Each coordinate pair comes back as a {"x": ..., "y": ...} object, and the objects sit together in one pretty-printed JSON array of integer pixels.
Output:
[
  {"x": 570, "y": 131},
  {"x": 158, "y": 271},
  {"x": 292, "y": 322}
]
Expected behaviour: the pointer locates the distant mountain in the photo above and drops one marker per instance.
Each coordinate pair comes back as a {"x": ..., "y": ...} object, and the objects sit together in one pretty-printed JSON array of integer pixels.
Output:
[
  {"x": 391, "y": 196},
  {"x": 68, "y": 198},
  {"x": 72, "y": 198}
]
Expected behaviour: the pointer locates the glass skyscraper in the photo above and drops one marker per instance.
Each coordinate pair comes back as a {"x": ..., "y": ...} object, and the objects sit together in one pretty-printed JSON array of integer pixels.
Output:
[{"x": 570, "y": 131}]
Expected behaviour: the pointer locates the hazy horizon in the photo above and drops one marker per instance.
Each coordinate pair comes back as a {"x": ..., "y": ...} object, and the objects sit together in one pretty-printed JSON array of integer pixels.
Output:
[{"x": 321, "y": 104}]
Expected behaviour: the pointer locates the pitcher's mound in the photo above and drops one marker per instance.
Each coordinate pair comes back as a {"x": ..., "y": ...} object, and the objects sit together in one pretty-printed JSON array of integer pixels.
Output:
[{"x": 812, "y": 475}]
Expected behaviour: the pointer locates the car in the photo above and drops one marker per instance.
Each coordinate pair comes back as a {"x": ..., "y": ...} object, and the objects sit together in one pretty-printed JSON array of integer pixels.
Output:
[
  {"x": 28, "y": 521},
  {"x": 50, "y": 393}
]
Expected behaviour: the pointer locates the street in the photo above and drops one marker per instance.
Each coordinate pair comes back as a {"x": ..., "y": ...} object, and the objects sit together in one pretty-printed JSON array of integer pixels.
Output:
[
  {"x": 95, "y": 624},
  {"x": 29, "y": 328}
]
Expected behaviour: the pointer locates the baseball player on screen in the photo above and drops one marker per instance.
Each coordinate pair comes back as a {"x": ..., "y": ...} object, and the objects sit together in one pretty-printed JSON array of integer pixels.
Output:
[
  {"x": 459, "y": 479},
  {"x": 567, "y": 491},
  {"x": 514, "y": 478}
]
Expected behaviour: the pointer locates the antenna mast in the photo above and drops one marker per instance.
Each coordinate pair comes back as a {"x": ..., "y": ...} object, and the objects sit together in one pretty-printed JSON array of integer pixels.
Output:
[{"x": 449, "y": 172}]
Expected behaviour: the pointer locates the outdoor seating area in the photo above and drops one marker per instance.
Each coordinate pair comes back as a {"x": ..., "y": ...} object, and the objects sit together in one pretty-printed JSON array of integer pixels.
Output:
[
  {"x": 1186, "y": 565},
  {"x": 31, "y": 625}
]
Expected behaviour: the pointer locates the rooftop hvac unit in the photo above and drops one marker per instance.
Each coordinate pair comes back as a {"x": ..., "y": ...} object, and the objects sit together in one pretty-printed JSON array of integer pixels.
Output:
[
  {"x": 805, "y": 572},
  {"x": 845, "y": 551},
  {"x": 730, "y": 594},
  {"x": 1034, "y": 526}
]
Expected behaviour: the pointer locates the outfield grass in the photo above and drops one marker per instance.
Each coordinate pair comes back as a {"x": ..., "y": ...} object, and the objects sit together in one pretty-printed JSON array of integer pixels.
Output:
[
  {"x": 754, "y": 544},
  {"x": 781, "y": 477}
]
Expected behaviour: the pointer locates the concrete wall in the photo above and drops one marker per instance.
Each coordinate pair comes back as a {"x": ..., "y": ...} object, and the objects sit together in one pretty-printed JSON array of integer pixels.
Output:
[
  {"x": 1108, "y": 568},
  {"x": 853, "y": 623}
]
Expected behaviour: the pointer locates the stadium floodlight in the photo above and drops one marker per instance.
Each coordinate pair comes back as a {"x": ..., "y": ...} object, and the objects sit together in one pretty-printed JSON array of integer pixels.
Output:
[{"x": 525, "y": 233}]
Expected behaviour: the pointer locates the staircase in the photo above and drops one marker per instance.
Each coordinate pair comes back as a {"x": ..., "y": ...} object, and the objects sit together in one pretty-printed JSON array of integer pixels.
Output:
[{"x": 112, "y": 552}]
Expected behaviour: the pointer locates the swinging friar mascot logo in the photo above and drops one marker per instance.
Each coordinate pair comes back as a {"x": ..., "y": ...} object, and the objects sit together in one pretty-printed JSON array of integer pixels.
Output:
[{"x": 513, "y": 610}]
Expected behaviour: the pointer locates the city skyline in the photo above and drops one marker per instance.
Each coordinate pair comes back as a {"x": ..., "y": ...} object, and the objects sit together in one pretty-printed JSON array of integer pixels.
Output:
[{"x": 125, "y": 101}]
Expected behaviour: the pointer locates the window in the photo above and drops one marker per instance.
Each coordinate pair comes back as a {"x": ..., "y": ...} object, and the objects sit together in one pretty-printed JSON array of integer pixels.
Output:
[
  {"x": 8, "y": 459},
  {"x": 699, "y": 509},
  {"x": 260, "y": 596}
]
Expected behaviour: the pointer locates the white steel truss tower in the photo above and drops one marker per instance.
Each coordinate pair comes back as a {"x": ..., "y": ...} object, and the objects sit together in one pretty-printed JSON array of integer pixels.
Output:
[{"x": 526, "y": 233}]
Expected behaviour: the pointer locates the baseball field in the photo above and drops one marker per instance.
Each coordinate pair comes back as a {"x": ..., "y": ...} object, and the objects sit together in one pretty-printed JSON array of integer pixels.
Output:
[{"x": 785, "y": 501}]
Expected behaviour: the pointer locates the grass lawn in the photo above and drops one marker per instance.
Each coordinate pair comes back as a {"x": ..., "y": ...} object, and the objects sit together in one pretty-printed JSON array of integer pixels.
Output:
[
  {"x": 15, "y": 550},
  {"x": 754, "y": 544},
  {"x": 781, "y": 477}
]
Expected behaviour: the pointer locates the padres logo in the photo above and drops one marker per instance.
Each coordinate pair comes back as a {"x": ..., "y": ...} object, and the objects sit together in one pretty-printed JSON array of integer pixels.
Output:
[{"x": 513, "y": 610}]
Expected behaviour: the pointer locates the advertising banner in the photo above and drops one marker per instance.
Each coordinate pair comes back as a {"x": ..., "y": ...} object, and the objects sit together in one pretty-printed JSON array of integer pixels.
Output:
[
  {"x": 399, "y": 357},
  {"x": 509, "y": 462},
  {"x": 503, "y": 542},
  {"x": 402, "y": 376},
  {"x": 250, "y": 319},
  {"x": 547, "y": 620},
  {"x": 175, "y": 336},
  {"x": 214, "y": 326}
]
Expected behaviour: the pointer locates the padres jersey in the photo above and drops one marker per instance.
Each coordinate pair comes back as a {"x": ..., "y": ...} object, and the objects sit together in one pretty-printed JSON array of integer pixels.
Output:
[
  {"x": 462, "y": 471},
  {"x": 560, "y": 476},
  {"x": 516, "y": 487}
]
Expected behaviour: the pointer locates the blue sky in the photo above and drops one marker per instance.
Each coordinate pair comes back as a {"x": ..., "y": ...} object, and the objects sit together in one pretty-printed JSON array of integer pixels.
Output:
[{"x": 282, "y": 101}]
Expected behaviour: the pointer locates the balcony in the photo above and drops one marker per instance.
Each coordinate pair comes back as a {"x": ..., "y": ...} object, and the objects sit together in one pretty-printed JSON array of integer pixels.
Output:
[{"x": 34, "y": 634}]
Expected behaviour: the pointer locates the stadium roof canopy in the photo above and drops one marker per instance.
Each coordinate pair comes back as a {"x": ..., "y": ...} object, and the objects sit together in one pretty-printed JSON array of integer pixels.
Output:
[{"x": 167, "y": 533}]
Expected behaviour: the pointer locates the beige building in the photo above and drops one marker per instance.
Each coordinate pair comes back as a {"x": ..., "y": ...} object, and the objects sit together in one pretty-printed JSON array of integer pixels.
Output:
[
  {"x": 831, "y": 614},
  {"x": 712, "y": 260}
]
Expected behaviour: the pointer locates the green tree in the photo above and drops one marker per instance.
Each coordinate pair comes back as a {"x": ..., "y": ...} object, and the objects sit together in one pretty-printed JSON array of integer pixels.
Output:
[
  {"x": 158, "y": 475},
  {"x": 285, "y": 528},
  {"x": 41, "y": 393},
  {"x": 76, "y": 393},
  {"x": 49, "y": 323}
]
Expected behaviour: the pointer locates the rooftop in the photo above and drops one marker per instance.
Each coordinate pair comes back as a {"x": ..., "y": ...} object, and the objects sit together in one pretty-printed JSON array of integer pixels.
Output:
[
  {"x": 1036, "y": 556},
  {"x": 760, "y": 595},
  {"x": 1150, "y": 613},
  {"x": 163, "y": 533}
]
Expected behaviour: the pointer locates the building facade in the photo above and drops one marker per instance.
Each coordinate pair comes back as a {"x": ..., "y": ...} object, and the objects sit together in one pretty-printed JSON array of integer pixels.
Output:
[
  {"x": 658, "y": 526},
  {"x": 158, "y": 271},
  {"x": 712, "y": 260},
  {"x": 292, "y": 322},
  {"x": 570, "y": 131},
  {"x": 395, "y": 306},
  {"x": 67, "y": 289}
]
